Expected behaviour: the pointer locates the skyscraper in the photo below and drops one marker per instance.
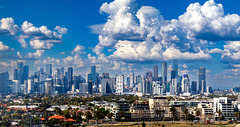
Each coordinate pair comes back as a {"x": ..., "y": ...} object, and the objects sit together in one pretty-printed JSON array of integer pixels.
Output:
[
  {"x": 93, "y": 72},
  {"x": 164, "y": 71},
  {"x": 20, "y": 71},
  {"x": 49, "y": 69},
  {"x": 15, "y": 74},
  {"x": 174, "y": 71},
  {"x": 119, "y": 84},
  {"x": 185, "y": 84},
  {"x": 194, "y": 87},
  {"x": 70, "y": 78},
  {"x": 131, "y": 79},
  {"x": 4, "y": 77},
  {"x": 155, "y": 73},
  {"x": 202, "y": 80},
  {"x": 25, "y": 72}
]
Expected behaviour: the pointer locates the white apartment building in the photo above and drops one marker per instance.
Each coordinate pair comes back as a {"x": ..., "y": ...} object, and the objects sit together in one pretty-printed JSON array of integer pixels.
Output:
[
  {"x": 225, "y": 106},
  {"x": 119, "y": 84}
]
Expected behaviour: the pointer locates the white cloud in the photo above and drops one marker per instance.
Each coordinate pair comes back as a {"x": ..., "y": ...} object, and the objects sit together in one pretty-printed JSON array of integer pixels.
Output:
[
  {"x": 19, "y": 54},
  {"x": 35, "y": 55},
  {"x": 143, "y": 34},
  {"x": 78, "y": 49},
  {"x": 40, "y": 44},
  {"x": 7, "y": 27},
  {"x": 3, "y": 47}
]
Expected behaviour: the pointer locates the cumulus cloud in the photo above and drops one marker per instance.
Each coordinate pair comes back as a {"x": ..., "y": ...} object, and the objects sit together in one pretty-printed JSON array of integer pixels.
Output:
[
  {"x": 35, "y": 55},
  {"x": 79, "y": 49},
  {"x": 4, "y": 47},
  {"x": 40, "y": 37},
  {"x": 7, "y": 26},
  {"x": 140, "y": 34},
  {"x": 74, "y": 61}
]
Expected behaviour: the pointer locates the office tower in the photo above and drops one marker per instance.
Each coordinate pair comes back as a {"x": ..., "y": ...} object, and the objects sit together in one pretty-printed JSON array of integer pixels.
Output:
[
  {"x": 107, "y": 86},
  {"x": 155, "y": 73},
  {"x": 131, "y": 79},
  {"x": 4, "y": 77},
  {"x": 157, "y": 88},
  {"x": 19, "y": 65},
  {"x": 77, "y": 81},
  {"x": 105, "y": 75},
  {"x": 49, "y": 86},
  {"x": 25, "y": 72},
  {"x": 90, "y": 87},
  {"x": 16, "y": 86},
  {"x": 70, "y": 78},
  {"x": 93, "y": 72},
  {"x": 30, "y": 88},
  {"x": 128, "y": 81},
  {"x": 175, "y": 65},
  {"x": 148, "y": 85},
  {"x": 202, "y": 80},
  {"x": 49, "y": 69},
  {"x": 119, "y": 84},
  {"x": 62, "y": 71},
  {"x": 20, "y": 71},
  {"x": 164, "y": 72},
  {"x": 194, "y": 87},
  {"x": 185, "y": 83},
  {"x": 209, "y": 89},
  {"x": 89, "y": 77},
  {"x": 41, "y": 70},
  {"x": 15, "y": 74}
]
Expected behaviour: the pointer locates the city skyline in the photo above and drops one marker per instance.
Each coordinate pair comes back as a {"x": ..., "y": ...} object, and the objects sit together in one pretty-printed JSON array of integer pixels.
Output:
[{"x": 120, "y": 37}]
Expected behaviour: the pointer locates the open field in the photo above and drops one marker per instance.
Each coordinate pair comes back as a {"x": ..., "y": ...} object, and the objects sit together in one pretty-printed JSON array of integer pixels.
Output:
[{"x": 169, "y": 124}]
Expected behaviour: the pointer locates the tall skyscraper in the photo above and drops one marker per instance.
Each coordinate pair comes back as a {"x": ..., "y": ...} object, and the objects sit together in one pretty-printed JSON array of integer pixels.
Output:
[
  {"x": 148, "y": 85},
  {"x": 25, "y": 72},
  {"x": 194, "y": 87},
  {"x": 4, "y": 77},
  {"x": 202, "y": 80},
  {"x": 155, "y": 73},
  {"x": 185, "y": 84},
  {"x": 93, "y": 72},
  {"x": 119, "y": 84},
  {"x": 49, "y": 69},
  {"x": 15, "y": 74},
  {"x": 164, "y": 71},
  {"x": 131, "y": 79},
  {"x": 20, "y": 72},
  {"x": 70, "y": 78},
  {"x": 174, "y": 71}
]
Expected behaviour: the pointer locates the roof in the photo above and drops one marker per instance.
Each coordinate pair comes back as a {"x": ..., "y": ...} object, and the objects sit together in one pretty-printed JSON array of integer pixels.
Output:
[{"x": 56, "y": 117}]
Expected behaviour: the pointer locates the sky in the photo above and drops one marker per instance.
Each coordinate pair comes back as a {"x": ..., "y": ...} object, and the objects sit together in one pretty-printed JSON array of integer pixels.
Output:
[{"x": 120, "y": 36}]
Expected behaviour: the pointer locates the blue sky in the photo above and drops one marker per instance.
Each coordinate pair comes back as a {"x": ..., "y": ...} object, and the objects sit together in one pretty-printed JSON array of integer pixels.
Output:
[{"x": 119, "y": 36}]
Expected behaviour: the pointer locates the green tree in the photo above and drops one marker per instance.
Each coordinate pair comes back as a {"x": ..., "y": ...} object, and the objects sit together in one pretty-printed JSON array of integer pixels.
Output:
[
  {"x": 157, "y": 111},
  {"x": 219, "y": 115},
  {"x": 236, "y": 114},
  {"x": 198, "y": 113},
  {"x": 88, "y": 116},
  {"x": 99, "y": 114},
  {"x": 173, "y": 110},
  {"x": 186, "y": 113},
  {"x": 110, "y": 115},
  {"x": 58, "y": 111}
]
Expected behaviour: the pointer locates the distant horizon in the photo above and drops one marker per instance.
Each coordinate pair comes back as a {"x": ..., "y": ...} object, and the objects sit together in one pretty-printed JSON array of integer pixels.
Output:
[{"x": 122, "y": 36}]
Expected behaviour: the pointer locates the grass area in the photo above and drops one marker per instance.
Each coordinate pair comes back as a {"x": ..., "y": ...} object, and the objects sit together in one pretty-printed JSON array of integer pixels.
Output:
[{"x": 169, "y": 124}]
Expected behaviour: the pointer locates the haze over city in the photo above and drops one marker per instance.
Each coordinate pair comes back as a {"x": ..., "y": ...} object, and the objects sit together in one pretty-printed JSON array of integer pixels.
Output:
[{"x": 119, "y": 37}]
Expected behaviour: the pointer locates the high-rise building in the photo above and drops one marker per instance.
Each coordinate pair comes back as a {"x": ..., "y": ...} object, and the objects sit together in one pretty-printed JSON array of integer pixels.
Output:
[
  {"x": 131, "y": 79},
  {"x": 49, "y": 69},
  {"x": 16, "y": 86},
  {"x": 164, "y": 71},
  {"x": 202, "y": 80},
  {"x": 93, "y": 72},
  {"x": 119, "y": 84},
  {"x": 49, "y": 86},
  {"x": 15, "y": 74},
  {"x": 155, "y": 73},
  {"x": 4, "y": 77},
  {"x": 185, "y": 84},
  {"x": 148, "y": 83},
  {"x": 105, "y": 75},
  {"x": 90, "y": 87},
  {"x": 70, "y": 78},
  {"x": 25, "y": 72},
  {"x": 20, "y": 72},
  {"x": 194, "y": 87}
]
